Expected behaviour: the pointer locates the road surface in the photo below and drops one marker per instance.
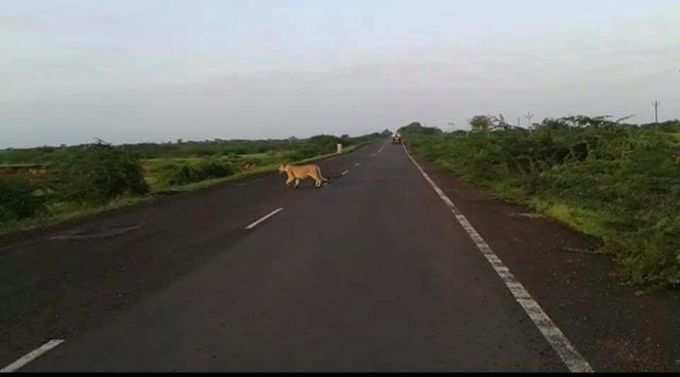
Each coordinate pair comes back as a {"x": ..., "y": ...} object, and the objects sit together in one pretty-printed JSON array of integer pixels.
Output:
[{"x": 373, "y": 272}]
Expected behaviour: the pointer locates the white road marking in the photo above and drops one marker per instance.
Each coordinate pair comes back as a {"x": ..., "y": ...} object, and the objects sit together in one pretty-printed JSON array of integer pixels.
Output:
[
  {"x": 31, "y": 356},
  {"x": 344, "y": 172},
  {"x": 379, "y": 150},
  {"x": 274, "y": 212},
  {"x": 357, "y": 164},
  {"x": 559, "y": 342}
]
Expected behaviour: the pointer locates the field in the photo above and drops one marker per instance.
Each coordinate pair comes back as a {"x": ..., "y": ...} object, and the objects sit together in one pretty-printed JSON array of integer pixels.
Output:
[
  {"x": 617, "y": 182},
  {"x": 47, "y": 185}
]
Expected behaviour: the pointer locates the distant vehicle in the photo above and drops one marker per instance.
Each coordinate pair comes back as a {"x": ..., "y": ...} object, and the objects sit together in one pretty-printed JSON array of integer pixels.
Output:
[{"x": 396, "y": 139}]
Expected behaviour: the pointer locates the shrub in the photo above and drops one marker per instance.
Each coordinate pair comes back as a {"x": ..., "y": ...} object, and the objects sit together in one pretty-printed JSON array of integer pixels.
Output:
[
  {"x": 213, "y": 168},
  {"x": 17, "y": 200},
  {"x": 98, "y": 173},
  {"x": 623, "y": 180},
  {"x": 303, "y": 154},
  {"x": 177, "y": 175}
]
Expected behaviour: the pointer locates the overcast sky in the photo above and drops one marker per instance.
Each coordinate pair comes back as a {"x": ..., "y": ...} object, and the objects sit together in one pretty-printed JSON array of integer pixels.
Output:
[{"x": 143, "y": 70}]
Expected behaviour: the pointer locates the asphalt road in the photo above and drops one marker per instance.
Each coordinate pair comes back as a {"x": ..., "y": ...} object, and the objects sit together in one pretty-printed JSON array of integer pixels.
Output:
[{"x": 370, "y": 273}]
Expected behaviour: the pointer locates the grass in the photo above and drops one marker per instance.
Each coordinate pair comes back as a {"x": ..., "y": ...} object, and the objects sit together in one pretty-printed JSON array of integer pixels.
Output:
[
  {"x": 64, "y": 212},
  {"x": 617, "y": 183},
  {"x": 67, "y": 212},
  {"x": 22, "y": 165},
  {"x": 676, "y": 136},
  {"x": 583, "y": 220},
  {"x": 261, "y": 163},
  {"x": 262, "y": 170}
]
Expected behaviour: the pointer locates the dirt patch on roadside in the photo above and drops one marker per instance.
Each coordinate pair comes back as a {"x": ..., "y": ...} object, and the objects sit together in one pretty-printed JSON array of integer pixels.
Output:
[{"x": 612, "y": 326}]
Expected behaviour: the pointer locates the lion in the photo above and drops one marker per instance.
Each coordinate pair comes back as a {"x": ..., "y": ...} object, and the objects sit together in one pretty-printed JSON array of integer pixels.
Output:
[{"x": 300, "y": 172}]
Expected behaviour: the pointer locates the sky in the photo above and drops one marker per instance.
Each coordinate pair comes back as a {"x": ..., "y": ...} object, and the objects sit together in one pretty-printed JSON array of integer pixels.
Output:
[{"x": 130, "y": 71}]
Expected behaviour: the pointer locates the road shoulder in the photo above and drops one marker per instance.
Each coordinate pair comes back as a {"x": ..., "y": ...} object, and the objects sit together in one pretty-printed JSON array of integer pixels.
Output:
[
  {"x": 127, "y": 205},
  {"x": 615, "y": 328}
]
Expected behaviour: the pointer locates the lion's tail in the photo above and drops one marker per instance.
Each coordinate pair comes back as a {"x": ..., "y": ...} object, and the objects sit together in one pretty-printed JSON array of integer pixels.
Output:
[{"x": 324, "y": 179}]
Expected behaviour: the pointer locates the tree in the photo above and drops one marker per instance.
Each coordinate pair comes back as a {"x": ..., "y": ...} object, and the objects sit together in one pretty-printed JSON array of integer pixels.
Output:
[
  {"x": 500, "y": 123},
  {"x": 417, "y": 128},
  {"x": 490, "y": 123},
  {"x": 481, "y": 123}
]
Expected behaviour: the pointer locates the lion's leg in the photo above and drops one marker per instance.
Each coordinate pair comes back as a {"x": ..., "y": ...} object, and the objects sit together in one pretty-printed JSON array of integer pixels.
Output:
[
  {"x": 297, "y": 183},
  {"x": 321, "y": 177}
]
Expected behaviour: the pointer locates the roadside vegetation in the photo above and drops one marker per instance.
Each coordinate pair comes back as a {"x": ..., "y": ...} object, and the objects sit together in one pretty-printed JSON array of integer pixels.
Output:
[
  {"x": 47, "y": 185},
  {"x": 616, "y": 181}
]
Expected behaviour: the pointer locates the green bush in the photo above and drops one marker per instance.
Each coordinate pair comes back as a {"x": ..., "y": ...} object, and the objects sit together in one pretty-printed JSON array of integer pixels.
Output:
[
  {"x": 626, "y": 178},
  {"x": 213, "y": 168},
  {"x": 303, "y": 154},
  {"x": 17, "y": 200},
  {"x": 177, "y": 175},
  {"x": 188, "y": 149},
  {"x": 98, "y": 173}
]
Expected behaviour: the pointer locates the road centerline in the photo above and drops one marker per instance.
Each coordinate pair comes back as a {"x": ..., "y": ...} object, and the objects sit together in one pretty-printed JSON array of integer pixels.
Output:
[
  {"x": 379, "y": 150},
  {"x": 31, "y": 356},
  {"x": 263, "y": 218}
]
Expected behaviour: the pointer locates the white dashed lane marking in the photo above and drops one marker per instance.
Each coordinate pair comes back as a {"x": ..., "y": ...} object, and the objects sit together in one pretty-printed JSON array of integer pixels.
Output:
[
  {"x": 263, "y": 218},
  {"x": 31, "y": 356}
]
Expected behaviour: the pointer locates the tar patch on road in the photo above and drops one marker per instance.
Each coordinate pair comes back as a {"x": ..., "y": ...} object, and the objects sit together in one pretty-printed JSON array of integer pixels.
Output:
[{"x": 95, "y": 233}]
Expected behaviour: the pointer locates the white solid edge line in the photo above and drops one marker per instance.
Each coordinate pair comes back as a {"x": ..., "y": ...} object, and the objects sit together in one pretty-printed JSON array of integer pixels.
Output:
[
  {"x": 272, "y": 213},
  {"x": 345, "y": 172},
  {"x": 31, "y": 356},
  {"x": 555, "y": 337}
]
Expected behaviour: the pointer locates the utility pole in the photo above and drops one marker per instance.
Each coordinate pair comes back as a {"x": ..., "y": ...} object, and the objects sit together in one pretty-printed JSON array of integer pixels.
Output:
[
  {"x": 519, "y": 122},
  {"x": 656, "y": 111},
  {"x": 529, "y": 117}
]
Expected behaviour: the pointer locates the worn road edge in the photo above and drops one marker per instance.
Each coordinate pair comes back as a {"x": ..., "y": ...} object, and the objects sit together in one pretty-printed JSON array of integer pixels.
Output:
[{"x": 559, "y": 342}]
